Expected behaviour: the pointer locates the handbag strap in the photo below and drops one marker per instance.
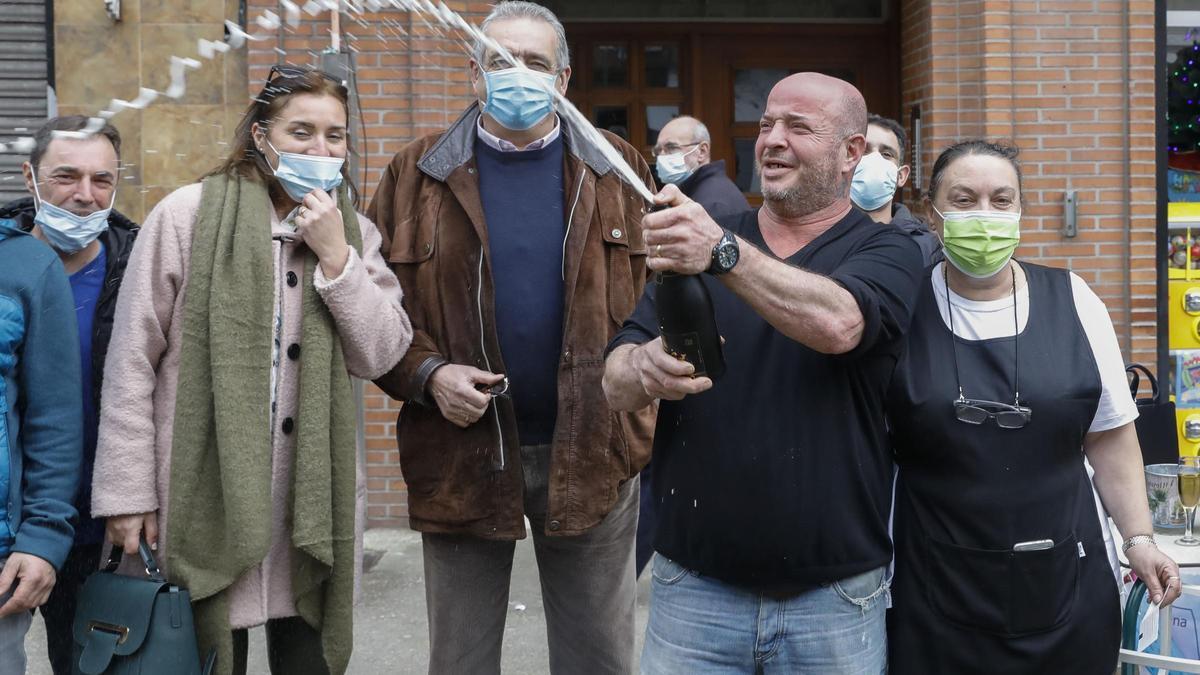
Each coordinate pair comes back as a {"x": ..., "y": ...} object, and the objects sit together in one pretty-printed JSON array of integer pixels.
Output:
[
  {"x": 1135, "y": 372},
  {"x": 148, "y": 560}
]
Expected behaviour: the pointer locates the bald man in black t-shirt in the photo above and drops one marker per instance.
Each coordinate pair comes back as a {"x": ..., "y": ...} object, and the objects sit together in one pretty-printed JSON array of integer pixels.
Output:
[{"x": 774, "y": 484}]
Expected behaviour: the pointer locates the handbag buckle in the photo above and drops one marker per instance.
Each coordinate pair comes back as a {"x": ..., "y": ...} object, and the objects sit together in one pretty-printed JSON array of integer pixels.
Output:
[{"x": 122, "y": 632}]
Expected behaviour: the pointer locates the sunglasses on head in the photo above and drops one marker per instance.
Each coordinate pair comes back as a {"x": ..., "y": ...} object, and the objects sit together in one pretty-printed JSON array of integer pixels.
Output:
[
  {"x": 276, "y": 86},
  {"x": 975, "y": 411},
  {"x": 278, "y": 71}
]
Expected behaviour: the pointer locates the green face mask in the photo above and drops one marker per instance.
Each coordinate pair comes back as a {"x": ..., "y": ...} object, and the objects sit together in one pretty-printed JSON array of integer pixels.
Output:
[{"x": 980, "y": 243}]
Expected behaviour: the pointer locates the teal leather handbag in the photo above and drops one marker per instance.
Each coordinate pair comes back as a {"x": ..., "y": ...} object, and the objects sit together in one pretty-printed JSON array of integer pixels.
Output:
[{"x": 135, "y": 626}]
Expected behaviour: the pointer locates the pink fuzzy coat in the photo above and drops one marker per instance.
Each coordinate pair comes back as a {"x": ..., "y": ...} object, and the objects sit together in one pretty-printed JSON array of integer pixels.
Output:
[{"x": 133, "y": 455}]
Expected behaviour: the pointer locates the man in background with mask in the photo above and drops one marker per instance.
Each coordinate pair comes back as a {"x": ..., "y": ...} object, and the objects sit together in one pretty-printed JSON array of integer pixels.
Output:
[
  {"x": 520, "y": 250},
  {"x": 880, "y": 174},
  {"x": 683, "y": 155},
  {"x": 73, "y": 183}
]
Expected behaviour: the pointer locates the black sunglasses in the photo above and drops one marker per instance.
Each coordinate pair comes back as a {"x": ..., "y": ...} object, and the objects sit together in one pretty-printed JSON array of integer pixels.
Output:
[
  {"x": 500, "y": 389},
  {"x": 976, "y": 411},
  {"x": 275, "y": 86},
  {"x": 278, "y": 71}
]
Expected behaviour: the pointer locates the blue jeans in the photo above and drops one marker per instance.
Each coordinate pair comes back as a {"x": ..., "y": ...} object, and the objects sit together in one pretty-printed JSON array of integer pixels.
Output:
[{"x": 701, "y": 625}]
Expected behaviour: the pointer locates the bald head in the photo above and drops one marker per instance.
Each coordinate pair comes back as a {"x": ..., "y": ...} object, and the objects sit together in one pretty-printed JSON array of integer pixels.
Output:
[
  {"x": 812, "y": 134},
  {"x": 841, "y": 100},
  {"x": 686, "y": 127},
  {"x": 687, "y": 135}
]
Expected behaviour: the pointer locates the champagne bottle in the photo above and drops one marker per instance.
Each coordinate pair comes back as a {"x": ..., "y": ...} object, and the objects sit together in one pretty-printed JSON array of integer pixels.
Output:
[{"x": 688, "y": 324}]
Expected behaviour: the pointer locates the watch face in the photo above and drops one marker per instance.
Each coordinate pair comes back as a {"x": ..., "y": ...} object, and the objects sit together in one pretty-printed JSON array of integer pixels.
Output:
[{"x": 727, "y": 256}]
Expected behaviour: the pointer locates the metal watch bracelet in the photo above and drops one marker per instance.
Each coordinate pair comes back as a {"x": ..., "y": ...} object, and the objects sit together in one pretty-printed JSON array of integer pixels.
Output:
[{"x": 1138, "y": 539}]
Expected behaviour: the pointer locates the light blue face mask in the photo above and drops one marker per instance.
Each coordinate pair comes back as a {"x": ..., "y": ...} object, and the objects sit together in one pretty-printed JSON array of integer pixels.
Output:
[
  {"x": 673, "y": 168},
  {"x": 301, "y": 174},
  {"x": 874, "y": 182},
  {"x": 518, "y": 98},
  {"x": 66, "y": 231}
]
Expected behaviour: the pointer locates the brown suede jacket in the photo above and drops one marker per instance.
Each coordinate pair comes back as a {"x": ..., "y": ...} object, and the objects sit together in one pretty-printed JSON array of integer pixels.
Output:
[{"x": 469, "y": 481}]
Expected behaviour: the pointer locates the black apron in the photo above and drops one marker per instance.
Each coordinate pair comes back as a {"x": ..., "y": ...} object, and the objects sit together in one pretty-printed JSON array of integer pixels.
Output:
[{"x": 963, "y": 600}]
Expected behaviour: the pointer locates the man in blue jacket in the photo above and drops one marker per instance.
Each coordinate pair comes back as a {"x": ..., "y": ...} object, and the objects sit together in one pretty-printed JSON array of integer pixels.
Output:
[
  {"x": 72, "y": 184},
  {"x": 41, "y": 431}
]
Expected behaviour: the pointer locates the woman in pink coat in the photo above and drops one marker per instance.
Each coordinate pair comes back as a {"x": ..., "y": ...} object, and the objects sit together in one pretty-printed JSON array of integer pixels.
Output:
[{"x": 227, "y": 426}]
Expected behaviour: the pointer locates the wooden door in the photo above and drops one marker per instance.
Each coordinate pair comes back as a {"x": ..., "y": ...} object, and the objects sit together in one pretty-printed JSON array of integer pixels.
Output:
[
  {"x": 633, "y": 77},
  {"x": 629, "y": 81}
]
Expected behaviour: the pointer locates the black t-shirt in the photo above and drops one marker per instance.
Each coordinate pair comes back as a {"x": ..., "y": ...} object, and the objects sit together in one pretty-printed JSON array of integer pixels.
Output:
[{"x": 780, "y": 475}]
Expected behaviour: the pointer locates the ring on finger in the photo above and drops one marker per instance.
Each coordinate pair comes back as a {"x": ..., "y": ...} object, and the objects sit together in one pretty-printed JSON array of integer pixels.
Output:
[{"x": 658, "y": 250}]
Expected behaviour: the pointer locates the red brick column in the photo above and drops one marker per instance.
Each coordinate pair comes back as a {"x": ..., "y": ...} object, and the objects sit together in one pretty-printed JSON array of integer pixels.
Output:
[{"x": 1071, "y": 82}]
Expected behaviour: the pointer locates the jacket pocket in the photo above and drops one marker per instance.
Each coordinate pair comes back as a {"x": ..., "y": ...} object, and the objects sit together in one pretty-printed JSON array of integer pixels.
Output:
[
  {"x": 620, "y": 446},
  {"x": 625, "y": 262},
  {"x": 415, "y": 239},
  {"x": 1007, "y": 593},
  {"x": 446, "y": 469},
  {"x": 422, "y": 475}
]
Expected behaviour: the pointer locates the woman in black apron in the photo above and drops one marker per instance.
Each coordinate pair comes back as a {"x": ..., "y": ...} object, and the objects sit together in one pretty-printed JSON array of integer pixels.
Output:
[{"x": 1001, "y": 565}]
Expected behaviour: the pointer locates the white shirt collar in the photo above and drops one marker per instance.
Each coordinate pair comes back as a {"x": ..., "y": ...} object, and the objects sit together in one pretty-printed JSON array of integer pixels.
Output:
[{"x": 496, "y": 143}]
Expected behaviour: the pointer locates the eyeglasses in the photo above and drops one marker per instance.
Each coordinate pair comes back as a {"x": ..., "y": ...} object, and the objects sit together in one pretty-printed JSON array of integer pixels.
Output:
[
  {"x": 670, "y": 148},
  {"x": 978, "y": 411},
  {"x": 498, "y": 390},
  {"x": 975, "y": 411}
]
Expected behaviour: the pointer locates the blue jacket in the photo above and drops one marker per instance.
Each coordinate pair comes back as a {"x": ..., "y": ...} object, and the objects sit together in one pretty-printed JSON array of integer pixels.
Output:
[{"x": 41, "y": 418}]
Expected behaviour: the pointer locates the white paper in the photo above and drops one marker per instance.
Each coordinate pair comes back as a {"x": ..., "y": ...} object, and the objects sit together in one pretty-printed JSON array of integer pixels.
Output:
[{"x": 1148, "y": 629}]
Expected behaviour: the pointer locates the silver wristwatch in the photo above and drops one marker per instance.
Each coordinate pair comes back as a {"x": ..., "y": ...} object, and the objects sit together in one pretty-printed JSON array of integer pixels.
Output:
[{"x": 1137, "y": 539}]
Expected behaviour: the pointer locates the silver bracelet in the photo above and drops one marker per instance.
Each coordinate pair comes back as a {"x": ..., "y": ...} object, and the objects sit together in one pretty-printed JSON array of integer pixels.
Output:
[{"x": 1138, "y": 539}]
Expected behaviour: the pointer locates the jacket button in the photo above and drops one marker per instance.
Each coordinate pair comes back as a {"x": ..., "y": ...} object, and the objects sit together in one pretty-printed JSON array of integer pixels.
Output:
[
  {"x": 293, "y": 351},
  {"x": 428, "y": 248},
  {"x": 616, "y": 233},
  {"x": 292, "y": 280},
  {"x": 555, "y": 526},
  {"x": 288, "y": 425}
]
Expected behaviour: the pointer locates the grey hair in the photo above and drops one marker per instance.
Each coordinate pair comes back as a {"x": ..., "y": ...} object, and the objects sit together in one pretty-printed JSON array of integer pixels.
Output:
[
  {"x": 700, "y": 133},
  {"x": 526, "y": 10}
]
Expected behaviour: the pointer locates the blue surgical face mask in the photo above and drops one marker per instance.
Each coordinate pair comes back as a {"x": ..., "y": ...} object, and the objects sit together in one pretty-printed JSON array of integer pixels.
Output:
[
  {"x": 874, "y": 182},
  {"x": 301, "y": 174},
  {"x": 673, "y": 168},
  {"x": 66, "y": 231},
  {"x": 518, "y": 98}
]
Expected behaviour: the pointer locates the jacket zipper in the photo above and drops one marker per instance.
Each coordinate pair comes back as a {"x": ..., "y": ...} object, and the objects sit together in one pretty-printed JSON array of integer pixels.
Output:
[
  {"x": 498, "y": 462},
  {"x": 570, "y": 219}
]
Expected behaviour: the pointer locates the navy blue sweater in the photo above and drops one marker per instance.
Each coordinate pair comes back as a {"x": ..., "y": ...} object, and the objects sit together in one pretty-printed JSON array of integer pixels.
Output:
[
  {"x": 41, "y": 419},
  {"x": 522, "y": 194}
]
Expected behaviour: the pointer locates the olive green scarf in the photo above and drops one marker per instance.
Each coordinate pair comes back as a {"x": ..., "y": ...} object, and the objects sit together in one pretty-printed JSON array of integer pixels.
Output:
[{"x": 220, "y": 496}]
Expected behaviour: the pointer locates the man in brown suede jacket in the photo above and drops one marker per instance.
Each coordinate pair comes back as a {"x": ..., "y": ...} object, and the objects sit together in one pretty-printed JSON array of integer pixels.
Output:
[{"x": 520, "y": 251}]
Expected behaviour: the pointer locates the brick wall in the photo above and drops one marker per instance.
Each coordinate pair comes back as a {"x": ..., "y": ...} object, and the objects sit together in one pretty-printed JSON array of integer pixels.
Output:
[
  {"x": 1071, "y": 82},
  {"x": 412, "y": 81}
]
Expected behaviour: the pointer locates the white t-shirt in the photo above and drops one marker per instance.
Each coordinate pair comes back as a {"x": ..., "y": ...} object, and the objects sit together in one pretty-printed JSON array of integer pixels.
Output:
[{"x": 985, "y": 320}]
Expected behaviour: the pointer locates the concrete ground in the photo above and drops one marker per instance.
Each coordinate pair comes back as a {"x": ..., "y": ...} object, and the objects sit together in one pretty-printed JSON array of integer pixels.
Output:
[{"x": 390, "y": 634}]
